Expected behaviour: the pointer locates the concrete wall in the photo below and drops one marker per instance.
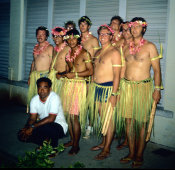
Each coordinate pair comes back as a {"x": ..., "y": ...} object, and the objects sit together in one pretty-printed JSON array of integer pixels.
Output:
[{"x": 165, "y": 125}]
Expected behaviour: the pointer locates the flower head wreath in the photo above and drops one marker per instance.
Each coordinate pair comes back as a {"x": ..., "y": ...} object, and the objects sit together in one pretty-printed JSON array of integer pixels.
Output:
[
  {"x": 86, "y": 19},
  {"x": 143, "y": 24},
  {"x": 69, "y": 36},
  {"x": 108, "y": 27},
  {"x": 63, "y": 32}
]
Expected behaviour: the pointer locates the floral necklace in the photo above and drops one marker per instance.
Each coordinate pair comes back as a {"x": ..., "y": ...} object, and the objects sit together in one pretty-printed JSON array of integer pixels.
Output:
[
  {"x": 39, "y": 49},
  {"x": 85, "y": 38},
  {"x": 76, "y": 53},
  {"x": 135, "y": 49},
  {"x": 117, "y": 38},
  {"x": 58, "y": 49}
]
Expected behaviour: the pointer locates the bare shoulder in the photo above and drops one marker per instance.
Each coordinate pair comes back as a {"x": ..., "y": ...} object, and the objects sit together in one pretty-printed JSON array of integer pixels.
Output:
[
  {"x": 93, "y": 38},
  {"x": 114, "y": 51},
  {"x": 150, "y": 45},
  {"x": 50, "y": 46}
]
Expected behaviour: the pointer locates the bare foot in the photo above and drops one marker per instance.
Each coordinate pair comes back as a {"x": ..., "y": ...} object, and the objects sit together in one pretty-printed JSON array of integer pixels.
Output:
[{"x": 74, "y": 150}]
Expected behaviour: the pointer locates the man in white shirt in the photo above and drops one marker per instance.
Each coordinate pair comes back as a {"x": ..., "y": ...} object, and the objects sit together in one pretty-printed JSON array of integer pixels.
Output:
[{"x": 51, "y": 124}]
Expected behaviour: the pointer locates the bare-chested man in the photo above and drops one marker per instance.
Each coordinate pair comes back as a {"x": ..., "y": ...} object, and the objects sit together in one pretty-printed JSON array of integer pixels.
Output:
[
  {"x": 88, "y": 41},
  {"x": 137, "y": 91},
  {"x": 42, "y": 58},
  {"x": 127, "y": 36},
  {"x": 59, "y": 66},
  {"x": 69, "y": 25},
  {"x": 91, "y": 44},
  {"x": 74, "y": 98},
  {"x": 103, "y": 90},
  {"x": 115, "y": 24}
]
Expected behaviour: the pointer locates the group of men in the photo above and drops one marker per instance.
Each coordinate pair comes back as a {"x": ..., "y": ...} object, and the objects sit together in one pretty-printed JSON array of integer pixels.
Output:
[{"x": 108, "y": 84}]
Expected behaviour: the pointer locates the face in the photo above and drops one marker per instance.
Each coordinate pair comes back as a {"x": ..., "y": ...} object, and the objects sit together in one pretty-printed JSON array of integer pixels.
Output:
[
  {"x": 84, "y": 27},
  {"x": 136, "y": 30},
  {"x": 72, "y": 42},
  {"x": 115, "y": 24},
  {"x": 43, "y": 90},
  {"x": 126, "y": 31},
  {"x": 105, "y": 36},
  {"x": 58, "y": 39},
  {"x": 69, "y": 27},
  {"x": 41, "y": 36}
]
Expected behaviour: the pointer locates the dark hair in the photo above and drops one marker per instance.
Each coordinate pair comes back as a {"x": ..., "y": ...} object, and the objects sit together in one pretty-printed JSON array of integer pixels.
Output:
[
  {"x": 43, "y": 28},
  {"x": 44, "y": 79},
  {"x": 74, "y": 32},
  {"x": 116, "y": 17},
  {"x": 121, "y": 28},
  {"x": 140, "y": 19},
  {"x": 69, "y": 23},
  {"x": 85, "y": 18}
]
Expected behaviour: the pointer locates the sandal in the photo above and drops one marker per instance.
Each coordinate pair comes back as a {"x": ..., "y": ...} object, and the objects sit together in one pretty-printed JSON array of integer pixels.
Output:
[
  {"x": 102, "y": 155},
  {"x": 66, "y": 145},
  {"x": 126, "y": 160},
  {"x": 97, "y": 148},
  {"x": 122, "y": 146},
  {"x": 137, "y": 164}
]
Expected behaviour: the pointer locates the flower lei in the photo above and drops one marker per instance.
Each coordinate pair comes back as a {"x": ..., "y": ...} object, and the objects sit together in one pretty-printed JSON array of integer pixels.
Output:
[
  {"x": 39, "y": 49},
  {"x": 138, "y": 22},
  {"x": 58, "y": 49},
  {"x": 117, "y": 38},
  {"x": 63, "y": 32},
  {"x": 85, "y": 38},
  {"x": 135, "y": 49},
  {"x": 76, "y": 53},
  {"x": 108, "y": 27}
]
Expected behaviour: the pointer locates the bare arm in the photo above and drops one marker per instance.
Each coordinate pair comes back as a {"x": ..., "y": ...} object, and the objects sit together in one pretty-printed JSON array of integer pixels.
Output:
[
  {"x": 116, "y": 63},
  {"x": 157, "y": 73}
]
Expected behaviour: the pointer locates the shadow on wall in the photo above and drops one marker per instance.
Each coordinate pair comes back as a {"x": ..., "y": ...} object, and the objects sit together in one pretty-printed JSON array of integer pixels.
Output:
[{"x": 5, "y": 98}]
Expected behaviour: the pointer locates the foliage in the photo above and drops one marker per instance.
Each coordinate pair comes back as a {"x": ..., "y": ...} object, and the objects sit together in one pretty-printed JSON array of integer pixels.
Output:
[{"x": 40, "y": 157}]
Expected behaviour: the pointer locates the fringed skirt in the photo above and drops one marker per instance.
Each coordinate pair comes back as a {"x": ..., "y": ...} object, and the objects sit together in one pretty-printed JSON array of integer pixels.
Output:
[
  {"x": 32, "y": 91},
  {"x": 135, "y": 103},
  {"x": 98, "y": 104},
  {"x": 73, "y": 95},
  {"x": 56, "y": 83}
]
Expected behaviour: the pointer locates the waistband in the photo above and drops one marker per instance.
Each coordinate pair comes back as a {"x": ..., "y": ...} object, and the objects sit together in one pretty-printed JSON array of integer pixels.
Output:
[
  {"x": 61, "y": 73},
  {"x": 137, "y": 82},
  {"x": 109, "y": 83}
]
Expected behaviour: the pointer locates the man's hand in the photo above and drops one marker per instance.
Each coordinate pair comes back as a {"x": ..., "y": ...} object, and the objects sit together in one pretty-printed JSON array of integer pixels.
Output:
[
  {"x": 29, "y": 81},
  {"x": 58, "y": 76},
  {"x": 156, "y": 96},
  {"x": 113, "y": 100},
  {"x": 70, "y": 75},
  {"x": 26, "y": 132}
]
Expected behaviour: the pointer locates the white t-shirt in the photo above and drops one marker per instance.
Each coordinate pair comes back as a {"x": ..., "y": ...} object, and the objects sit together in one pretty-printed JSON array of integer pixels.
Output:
[{"x": 51, "y": 106}]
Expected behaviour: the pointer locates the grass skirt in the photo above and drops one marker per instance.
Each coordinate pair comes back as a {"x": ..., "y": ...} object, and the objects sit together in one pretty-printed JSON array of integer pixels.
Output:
[
  {"x": 73, "y": 95},
  {"x": 97, "y": 99},
  {"x": 135, "y": 103}
]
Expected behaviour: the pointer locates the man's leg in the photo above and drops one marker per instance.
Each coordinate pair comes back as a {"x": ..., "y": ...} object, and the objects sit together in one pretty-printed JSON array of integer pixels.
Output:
[
  {"x": 107, "y": 142},
  {"x": 140, "y": 146},
  {"x": 101, "y": 145},
  {"x": 76, "y": 133},
  {"x": 70, "y": 128},
  {"x": 130, "y": 132}
]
